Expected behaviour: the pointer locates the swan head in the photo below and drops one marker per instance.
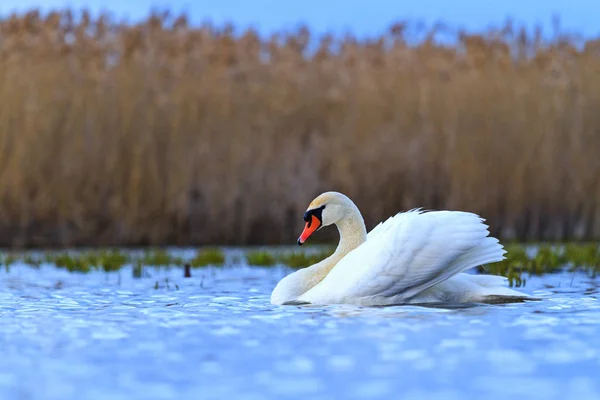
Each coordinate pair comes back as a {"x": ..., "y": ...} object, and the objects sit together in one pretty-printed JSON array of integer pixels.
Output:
[{"x": 326, "y": 209}]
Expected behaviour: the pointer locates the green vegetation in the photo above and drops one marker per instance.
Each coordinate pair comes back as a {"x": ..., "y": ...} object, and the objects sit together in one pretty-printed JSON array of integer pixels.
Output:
[
  {"x": 208, "y": 256},
  {"x": 546, "y": 259},
  {"x": 113, "y": 260},
  {"x": 107, "y": 260},
  {"x": 262, "y": 258},
  {"x": 159, "y": 258},
  {"x": 520, "y": 262},
  {"x": 7, "y": 260},
  {"x": 302, "y": 259},
  {"x": 294, "y": 259}
]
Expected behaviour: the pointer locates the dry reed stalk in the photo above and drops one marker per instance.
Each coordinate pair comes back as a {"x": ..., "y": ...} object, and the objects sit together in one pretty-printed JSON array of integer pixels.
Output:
[{"x": 165, "y": 133}]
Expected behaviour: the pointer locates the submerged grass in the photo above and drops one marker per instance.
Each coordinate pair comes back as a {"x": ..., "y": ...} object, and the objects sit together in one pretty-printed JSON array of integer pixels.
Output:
[
  {"x": 262, "y": 258},
  {"x": 292, "y": 259},
  {"x": 165, "y": 133},
  {"x": 209, "y": 256},
  {"x": 107, "y": 260},
  {"x": 114, "y": 260},
  {"x": 160, "y": 258},
  {"x": 545, "y": 259},
  {"x": 303, "y": 259},
  {"x": 522, "y": 261}
]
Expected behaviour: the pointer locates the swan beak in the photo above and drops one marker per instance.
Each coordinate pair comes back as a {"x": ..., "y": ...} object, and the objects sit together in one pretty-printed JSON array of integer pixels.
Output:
[{"x": 311, "y": 226}]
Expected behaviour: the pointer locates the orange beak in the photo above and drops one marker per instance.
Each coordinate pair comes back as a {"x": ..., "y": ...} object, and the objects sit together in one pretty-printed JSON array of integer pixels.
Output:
[{"x": 311, "y": 226}]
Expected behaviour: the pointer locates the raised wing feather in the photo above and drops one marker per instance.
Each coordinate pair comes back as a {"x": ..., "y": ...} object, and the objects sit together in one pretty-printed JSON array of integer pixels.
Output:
[{"x": 408, "y": 254}]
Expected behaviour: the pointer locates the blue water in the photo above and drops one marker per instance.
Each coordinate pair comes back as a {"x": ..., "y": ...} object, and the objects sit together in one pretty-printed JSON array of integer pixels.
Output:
[{"x": 216, "y": 336}]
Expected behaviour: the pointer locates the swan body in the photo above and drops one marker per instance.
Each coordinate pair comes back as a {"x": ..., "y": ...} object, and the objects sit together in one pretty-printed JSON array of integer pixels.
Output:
[{"x": 414, "y": 257}]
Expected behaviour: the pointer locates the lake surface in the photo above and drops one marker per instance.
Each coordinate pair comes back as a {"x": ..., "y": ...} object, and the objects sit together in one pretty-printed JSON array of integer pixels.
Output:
[{"x": 216, "y": 336}]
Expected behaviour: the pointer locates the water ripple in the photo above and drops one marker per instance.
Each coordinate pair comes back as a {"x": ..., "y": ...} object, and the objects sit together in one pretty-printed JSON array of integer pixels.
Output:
[{"x": 215, "y": 336}]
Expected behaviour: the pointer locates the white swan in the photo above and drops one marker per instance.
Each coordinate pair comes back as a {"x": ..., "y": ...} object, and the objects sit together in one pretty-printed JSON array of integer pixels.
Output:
[{"x": 413, "y": 257}]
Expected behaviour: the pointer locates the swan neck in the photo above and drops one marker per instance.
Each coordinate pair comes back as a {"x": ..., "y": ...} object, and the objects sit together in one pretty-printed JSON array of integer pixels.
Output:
[
  {"x": 352, "y": 229},
  {"x": 353, "y": 233}
]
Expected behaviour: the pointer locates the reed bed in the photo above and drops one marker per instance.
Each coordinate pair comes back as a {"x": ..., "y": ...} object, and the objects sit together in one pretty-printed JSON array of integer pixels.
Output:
[{"x": 165, "y": 133}]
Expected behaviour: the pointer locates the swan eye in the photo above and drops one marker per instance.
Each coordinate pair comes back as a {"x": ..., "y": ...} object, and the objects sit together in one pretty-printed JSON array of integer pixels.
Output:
[
  {"x": 317, "y": 212},
  {"x": 307, "y": 216}
]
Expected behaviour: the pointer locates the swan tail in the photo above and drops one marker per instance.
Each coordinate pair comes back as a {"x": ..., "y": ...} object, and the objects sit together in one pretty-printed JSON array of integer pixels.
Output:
[
  {"x": 492, "y": 288},
  {"x": 489, "y": 281}
]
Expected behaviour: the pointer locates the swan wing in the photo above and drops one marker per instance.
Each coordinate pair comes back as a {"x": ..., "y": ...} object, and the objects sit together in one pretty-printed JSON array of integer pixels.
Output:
[
  {"x": 384, "y": 226},
  {"x": 407, "y": 254}
]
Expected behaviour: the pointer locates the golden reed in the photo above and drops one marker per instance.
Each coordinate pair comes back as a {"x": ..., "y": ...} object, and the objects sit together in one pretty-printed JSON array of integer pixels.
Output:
[{"x": 163, "y": 133}]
